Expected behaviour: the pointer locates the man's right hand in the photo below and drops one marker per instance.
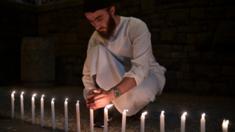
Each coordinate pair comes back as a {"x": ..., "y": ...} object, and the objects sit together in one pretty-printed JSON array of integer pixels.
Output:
[{"x": 91, "y": 94}]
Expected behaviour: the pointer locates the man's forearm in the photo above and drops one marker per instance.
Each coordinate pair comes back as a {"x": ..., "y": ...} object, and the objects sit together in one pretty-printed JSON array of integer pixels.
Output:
[{"x": 125, "y": 85}]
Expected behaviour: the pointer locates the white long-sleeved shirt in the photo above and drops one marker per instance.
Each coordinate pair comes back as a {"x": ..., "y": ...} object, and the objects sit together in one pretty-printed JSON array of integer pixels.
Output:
[{"x": 131, "y": 44}]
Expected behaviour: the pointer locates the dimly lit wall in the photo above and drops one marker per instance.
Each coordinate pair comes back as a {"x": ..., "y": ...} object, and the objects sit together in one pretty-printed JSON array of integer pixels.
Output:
[
  {"x": 67, "y": 26},
  {"x": 192, "y": 38},
  {"x": 16, "y": 21}
]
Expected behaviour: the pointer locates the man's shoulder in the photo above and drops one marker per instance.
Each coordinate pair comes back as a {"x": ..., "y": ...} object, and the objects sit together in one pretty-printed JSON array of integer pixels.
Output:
[
  {"x": 133, "y": 20},
  {"x": 136, "y": 25},
  {"x": 93, "y": 39},
  {"x": 94, "y": 36}
]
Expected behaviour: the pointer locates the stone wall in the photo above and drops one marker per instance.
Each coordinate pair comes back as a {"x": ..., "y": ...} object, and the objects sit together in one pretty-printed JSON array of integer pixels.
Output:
[
  {"x": 66, "y": 24},
  {"x": 37, "y": 61},
  {"x": 16, "y": 21},
  {"x": 192, "y": 38}
]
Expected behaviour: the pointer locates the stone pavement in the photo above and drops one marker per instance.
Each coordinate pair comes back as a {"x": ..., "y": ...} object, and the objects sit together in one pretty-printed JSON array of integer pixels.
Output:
[
  {"x": 216, "y": 108},
  {"x": 9, "y": 125}
]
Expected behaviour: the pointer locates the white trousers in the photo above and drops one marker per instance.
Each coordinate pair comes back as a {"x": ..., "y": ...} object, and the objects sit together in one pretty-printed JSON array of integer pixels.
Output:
[{"x": 109, "y": 72}]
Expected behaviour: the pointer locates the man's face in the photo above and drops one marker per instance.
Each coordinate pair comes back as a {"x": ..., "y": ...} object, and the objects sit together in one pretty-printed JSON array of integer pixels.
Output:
[{"x": 102, "y": 21}]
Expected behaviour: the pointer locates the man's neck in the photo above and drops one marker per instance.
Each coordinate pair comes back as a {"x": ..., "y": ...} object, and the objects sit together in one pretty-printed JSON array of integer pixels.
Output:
[{"x": 116, "y": 20}]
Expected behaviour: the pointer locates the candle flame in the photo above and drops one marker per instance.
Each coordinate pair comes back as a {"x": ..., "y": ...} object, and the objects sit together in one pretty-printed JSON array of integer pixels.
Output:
[
  {"x": 183, "y": 116},
  {"x": 78, "y": 101},
  {"x": 109, "y": 106},
  {"x": 66, "y": 101},
  {"x": 12, "y": 93},
  {"x": 125, "y": 110},
  {"x": 42, "y": 97},
  {"x": 203, "y": 115},
  {"x": 52, "y": 100},
  {"x": 22, "y": 93},
  {"x": 185, "y": 113},
  {"x": 162, "y": 113},
  {"x": 225, "y": 123},
  {"x": 34, "y": 95},
  {"x": 144, "y": 114}
]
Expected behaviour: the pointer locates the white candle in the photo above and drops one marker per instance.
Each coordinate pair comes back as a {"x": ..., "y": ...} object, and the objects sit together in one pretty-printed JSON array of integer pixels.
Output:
[
  {"x": 142, "y": 121},
  {"x": 42, "y": 109},
  {"x": 203, "y": 123},
  {"x": 33, "y": 107},
  {"x": 78, "y": 116},
  {"x": 106, "y": 116},
  {"x": 66, "y": 122},
  {"x": 53, "y": 113},
  {"x": 124, "y": 120},
  {"x": 225, "y": 125},
  {"x": 13, "y": 104},
  {"x": 92, "y": 120},
  {"x": 22, "y": 105},
  {"x": 183, "y": 121},
  {"x": 162, "y": 121}
]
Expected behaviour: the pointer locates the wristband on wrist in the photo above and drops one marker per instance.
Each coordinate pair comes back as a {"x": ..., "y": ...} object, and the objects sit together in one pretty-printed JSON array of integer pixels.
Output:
[{"x": 116, "y": 91}]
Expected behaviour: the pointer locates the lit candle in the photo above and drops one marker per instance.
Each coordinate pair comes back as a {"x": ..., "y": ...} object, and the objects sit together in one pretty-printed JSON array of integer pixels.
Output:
[
  {"x": 42, "y": 109},
  {"x": 142, "y": 121},
  {"x": 78, "y": 116},
  {"x": 66, "y": 127},
  {"x": 162, "y": 121},
  {"x": 106, "y": 116},
  {"x": 33, "y": 107},
  {"x": 53, "y": 113},
  {"x": 22, "y": 105},
  {"x": 183, "y": 120},
  {"x": 124, "y": 120},
  {"x": 225, "y": 125},
  {"x": 203, "y": 123},
  {"x": 13, "y": 104},
  {"x": 92, "y": 120}
]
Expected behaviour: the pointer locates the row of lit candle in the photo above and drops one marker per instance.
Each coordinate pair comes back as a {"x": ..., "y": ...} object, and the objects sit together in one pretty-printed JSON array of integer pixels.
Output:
[
  {"x": 53, "y": 118},
  {"x": 123, "y": 128}
]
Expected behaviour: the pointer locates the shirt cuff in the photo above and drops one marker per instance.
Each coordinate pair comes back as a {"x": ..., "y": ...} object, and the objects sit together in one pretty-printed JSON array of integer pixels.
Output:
[{"x": 138, "y": 80}]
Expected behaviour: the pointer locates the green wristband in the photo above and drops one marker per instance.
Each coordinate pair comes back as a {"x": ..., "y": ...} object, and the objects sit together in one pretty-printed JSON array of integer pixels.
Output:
[{"x": 116, "y": 91}]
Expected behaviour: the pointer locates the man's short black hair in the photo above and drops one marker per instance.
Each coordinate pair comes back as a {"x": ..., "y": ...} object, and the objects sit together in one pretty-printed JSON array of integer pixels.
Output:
[{"x": 94, "y": 5}]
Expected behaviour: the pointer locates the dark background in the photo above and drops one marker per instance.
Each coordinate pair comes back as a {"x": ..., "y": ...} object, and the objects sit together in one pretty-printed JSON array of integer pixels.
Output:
[{"x": 43, "y": 45}]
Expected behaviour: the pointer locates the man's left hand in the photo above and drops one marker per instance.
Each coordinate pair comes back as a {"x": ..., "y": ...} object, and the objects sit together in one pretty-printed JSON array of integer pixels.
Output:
[{"x": 100, "y": 100}]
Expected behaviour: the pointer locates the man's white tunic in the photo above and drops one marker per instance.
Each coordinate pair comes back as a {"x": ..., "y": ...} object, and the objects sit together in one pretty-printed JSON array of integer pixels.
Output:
[{"x": 128, "y": 53}]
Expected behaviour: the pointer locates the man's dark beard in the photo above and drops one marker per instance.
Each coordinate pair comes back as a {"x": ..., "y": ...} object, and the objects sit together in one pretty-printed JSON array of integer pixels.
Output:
[{"x": 110, "y": 29}]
